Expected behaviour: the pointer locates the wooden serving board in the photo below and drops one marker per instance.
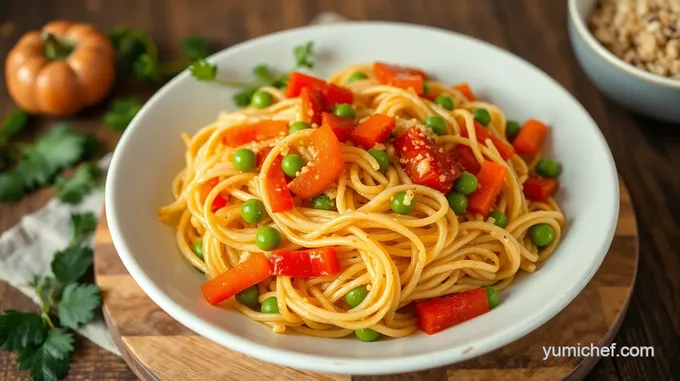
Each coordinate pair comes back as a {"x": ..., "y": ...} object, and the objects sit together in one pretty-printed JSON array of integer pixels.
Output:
[{"x": 159, "y": 348}]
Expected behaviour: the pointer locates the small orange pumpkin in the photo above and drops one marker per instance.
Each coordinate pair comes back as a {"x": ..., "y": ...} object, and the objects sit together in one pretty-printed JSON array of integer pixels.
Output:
[{"x": 60, "y": 70}]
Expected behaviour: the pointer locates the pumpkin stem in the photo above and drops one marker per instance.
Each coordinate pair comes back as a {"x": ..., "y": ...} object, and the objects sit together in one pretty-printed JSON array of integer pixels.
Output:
[{"x": 56, "y": 49}]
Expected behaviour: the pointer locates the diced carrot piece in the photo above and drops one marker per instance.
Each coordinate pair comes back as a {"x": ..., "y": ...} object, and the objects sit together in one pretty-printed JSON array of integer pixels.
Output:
[
  {"x": 250, "y": 272},
  {"x": 399, "y": 76},
  {"x": 254, "y": 132},
  {"x": 332, "y": 94},
  {"x": 280, "y": 198},
  {"x": 539, "y": 189},
  {"x": 219, "y": 201},
  {"x": 324, "y": 169},
  {"x": 321, "y": 261},
  {"x": 341, "y": 125},
  {"x": 375, "y": 129},
  {"x": 504, "y": 149},
  {"x": 436, "y": 315},
  {"x": 530, "y": 137},
  {"x": 466, "y": 90},
  {"x": 262, "y": 154},
  {"x": 312, "y": 105},
  {"x": 490, "y": 181}
]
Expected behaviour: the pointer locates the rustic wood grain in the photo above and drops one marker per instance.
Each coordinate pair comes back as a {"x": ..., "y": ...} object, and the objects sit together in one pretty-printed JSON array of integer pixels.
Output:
[
  {"x": 158, "y": 347},
  {"x": 645, "y": 151}
]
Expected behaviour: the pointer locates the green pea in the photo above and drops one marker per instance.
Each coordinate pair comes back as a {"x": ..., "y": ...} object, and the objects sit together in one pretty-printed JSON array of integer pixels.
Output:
[
  {"x": 426, "y": 88},
  {"x": 381, "y": 157},
  {"x": 444, "y": 101},
  {"x": 244, "y": 159},
  {"x": 499, "y": 219},
  {"x": 542, "y": 235},
  {"x": 198, "y": 249},
  {"x": 466, "y": 183},
  {"x": 270, "y": 306},
  {"x": 356, "y": 76},
  {"x": 345, "y": 110},
  {"x": 262, "y": 99},
  {"x": 356, "y": 296},
  {"x": 292, "y": 164},
  {"x": 492, "y": 296},
  {"x": 512, "y": 129},
  {"x": 252, "y": 211},
  {"x": 457, "y": 202},
  {"x": 366, "y": 334},
  {"x": 436, "y": 124},
  {"x": 298, "y": 126},
  {"x": 400, "y": 204},
  {"x": 323, "y": 202},
  {"x": 547, "y": 167},
  {"x": 482, "y": 116},
  {"x": 267, "y": 238},
  {"x": 248, "y": 297}
]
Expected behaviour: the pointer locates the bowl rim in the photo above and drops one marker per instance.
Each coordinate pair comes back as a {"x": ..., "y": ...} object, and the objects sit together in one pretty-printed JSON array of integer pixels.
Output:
[
  {"x": 581, "y": 28},
  {"x": 331, "y": 364}
]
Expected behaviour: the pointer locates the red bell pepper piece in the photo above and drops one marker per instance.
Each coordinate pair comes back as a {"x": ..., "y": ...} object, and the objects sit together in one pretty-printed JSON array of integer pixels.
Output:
[
  {"x": 466, "y": 90},
  {"x": 539, "y": 189},
  {"x": 490, "y": 181},
  {"x": 464, "y": 156},
  {"x": 342, "y": 126},
  {"x": 312, "y": 105},
  {"x": 423, "y": 161},
  {"x": 505, "y": 149},
  {"x": 399, "y": 76},
  {"x": 250, "y": 272},
  {"x": 275, "y": 185},
  {"x": 254, "y": 132},
  {"x": 324, "y": 169},
  {"x": 262, "y": 154},
  {"x": 530, "y": 137},
  {"x": 375, "y": 129},
  {"x": 436, "y": 315},
  {"x": 322, "y": 261},
  {"x": 219, "y": 201},
  {"x": 332, "y": 94}
]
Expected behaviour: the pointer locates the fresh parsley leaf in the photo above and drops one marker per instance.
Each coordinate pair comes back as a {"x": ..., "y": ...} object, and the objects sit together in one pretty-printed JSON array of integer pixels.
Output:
[
  {"x": 261, "y": 72},
  {"x": 11, "y": 187},
  {"x": 46, "y": 287},
  {"x": 82, "y": 225},
  {"x": 281, "y": 81},
  {"x": 136, "y": 51},
  {"x": 58, "y": 149},
  {"x": 203, "y": 70},
  {"x": 196, "y": 48},
  {"x": 49, "y": 360},
  {"x": 92, "y": 148},
  {"x": 121, "y": 113},
  {"x": 72, "y": 190},
  {"x": 13, "y": 124},
  {"x": 77, "y": 304},
  {"x": 146, "y": 68},
  {"x": 72, "y": 263},
  {"x": 20, "y": 329},
  {"x": 304, "y": 55}
]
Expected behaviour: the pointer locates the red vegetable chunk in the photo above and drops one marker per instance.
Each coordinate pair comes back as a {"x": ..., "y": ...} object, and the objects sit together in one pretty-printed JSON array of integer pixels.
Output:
[
  {"x": 423, "y": 161},
  {"x": 253, "y": 270},
  {"x": 219, "y": 201},
  {"x": 530, "y": 137},
  {"x": 332, "y": 94},
  {"x": 254, "y": 132},
  {"x": 466, "y": 90},
  {"x": 280, "y": 198},
  {"x": 436, "y": 315},
  {"x": 539, "y": 189},
  {"x": 342, "y": 126},
  {"x": 324, "y": 169},
  {"x": 322, "y": 261},
  {"x": 504, "y": 149},
  {"x": 490, "y": 181},
  {"x": 312, "y": 105},
  {"x": 464, "y": 156},
  {"x": 399, "y": 76},
  {"x": 375, "y": 129}
]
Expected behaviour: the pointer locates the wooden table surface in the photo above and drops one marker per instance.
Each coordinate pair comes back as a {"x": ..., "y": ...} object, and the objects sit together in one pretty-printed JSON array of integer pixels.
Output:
[{"x": 645, "y": 151}]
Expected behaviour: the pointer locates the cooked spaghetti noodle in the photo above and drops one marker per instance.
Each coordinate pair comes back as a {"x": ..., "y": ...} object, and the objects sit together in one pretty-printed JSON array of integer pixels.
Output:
[{"x": 399, "y": 258}]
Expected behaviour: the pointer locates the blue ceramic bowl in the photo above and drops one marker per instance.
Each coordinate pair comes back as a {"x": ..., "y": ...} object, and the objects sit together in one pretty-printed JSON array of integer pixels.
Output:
[{"x": 648, "y": 94}]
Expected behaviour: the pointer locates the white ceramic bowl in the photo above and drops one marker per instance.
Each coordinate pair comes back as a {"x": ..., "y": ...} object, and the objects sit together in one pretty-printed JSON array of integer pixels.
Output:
[
  {"x": 150, "y": 154},
  {"x": 648, "y": 94}
]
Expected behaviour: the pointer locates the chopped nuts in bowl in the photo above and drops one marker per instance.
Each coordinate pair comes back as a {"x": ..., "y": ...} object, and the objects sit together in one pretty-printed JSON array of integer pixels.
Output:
[{"x": 631, "y": 50}]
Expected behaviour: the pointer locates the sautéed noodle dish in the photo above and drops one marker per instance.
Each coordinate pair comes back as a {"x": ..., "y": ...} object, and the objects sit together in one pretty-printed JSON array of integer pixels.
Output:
[{"x": 373, "y": 203}]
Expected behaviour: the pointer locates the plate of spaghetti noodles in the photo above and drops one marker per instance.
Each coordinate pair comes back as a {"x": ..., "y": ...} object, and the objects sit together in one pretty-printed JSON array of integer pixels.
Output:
[{"x": 403, "y": 198}]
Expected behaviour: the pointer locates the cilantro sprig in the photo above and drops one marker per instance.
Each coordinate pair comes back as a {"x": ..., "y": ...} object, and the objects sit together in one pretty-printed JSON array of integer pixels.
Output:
[
  {"x": 202, "y": 70},
  {"x": 40, "y": 339}
]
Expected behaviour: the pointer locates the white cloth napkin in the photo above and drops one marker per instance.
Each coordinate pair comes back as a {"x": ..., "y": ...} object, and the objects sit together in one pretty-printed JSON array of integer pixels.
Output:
[{"x": 27, "y": 248}]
